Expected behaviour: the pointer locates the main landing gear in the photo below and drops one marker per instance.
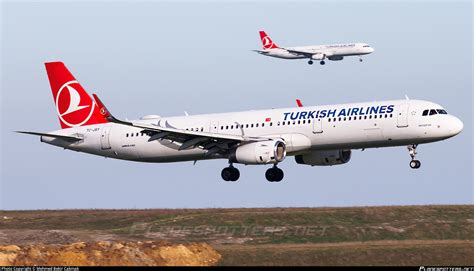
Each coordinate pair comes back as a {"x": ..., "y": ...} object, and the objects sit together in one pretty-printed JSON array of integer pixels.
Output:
[
  {"x": 412, "y": 151},
  {"x": 274, "y": 174},
  {"x": 310, "y": 62},
  {"x": 322, "y": 62},
  {"x": 230, "y": 174}
]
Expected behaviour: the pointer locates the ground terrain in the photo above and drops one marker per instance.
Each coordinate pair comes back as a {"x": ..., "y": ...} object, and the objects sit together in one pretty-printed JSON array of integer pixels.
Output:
[{"x": 406, "y": 235}]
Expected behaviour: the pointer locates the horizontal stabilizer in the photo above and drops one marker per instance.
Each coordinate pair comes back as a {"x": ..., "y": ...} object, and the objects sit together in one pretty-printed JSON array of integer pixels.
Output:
[{"x": 69, "y": 138}]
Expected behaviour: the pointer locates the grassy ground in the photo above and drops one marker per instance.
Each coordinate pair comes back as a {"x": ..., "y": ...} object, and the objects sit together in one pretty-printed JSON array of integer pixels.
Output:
[{"x": 411, "y": 235}]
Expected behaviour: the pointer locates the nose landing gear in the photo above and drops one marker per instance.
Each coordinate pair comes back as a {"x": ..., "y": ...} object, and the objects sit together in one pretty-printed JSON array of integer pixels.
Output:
[
  {"x": 412, "y": 151},
  {"x": 274, "y": 174}
]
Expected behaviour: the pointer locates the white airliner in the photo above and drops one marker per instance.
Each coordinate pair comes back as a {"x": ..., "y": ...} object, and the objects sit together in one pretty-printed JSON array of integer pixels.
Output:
[
  {"x": 315, "y": 135},
  {"x": 313, "y": 52}
]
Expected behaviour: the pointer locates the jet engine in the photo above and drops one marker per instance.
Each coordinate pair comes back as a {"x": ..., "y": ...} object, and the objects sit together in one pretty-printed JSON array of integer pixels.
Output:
[
  {"x": 261, "y": 152},
  {"x": 335, "y": 58},
  {"x": 324, "y": 158}
]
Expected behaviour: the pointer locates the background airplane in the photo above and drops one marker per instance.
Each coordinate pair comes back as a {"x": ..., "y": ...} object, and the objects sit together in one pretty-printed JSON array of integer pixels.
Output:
[
  {"x": 315, "y": 135},
  {"x": 313, "y": 52}
]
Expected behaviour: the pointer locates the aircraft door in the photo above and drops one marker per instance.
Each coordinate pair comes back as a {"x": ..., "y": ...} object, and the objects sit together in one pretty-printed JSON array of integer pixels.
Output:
[
  {"x": 104, "y": 138},
  {"x": 402, "y": 117},
  {"x": 214, "y": 128},
  {"x": 317, "y": 126}
]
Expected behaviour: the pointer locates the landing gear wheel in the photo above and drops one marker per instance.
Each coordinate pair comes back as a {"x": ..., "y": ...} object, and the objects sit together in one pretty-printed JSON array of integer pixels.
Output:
[
  {"x": 360, "y": 60},
  {"x": 274, "y": 174},
  {"x": 415, "y": 164},
  {"x": 322, "y": 62},
  {"x": 310, "y": 62},
  {"x": 230, "y": 174}
]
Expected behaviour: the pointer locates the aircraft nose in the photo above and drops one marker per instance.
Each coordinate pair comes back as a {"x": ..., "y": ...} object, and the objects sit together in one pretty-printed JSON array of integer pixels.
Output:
[
  {"x": 371, "y": 50},
  {"x": 456, "y": 126}
]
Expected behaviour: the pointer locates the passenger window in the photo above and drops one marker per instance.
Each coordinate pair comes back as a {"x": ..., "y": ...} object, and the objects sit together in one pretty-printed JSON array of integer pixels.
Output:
[
  {"x": 256, "y": 125},
  {"x": 425, "y": 112},
  {"x": 350, "y": 118},
  {"x": 126, "y": 135},
  {"x": 294, "y": 122},
  {"x": 340, "y": 119},
  {"x": 375, "y": 116},
  {"x": 365, "y": 117},
  {"x": 251, "y": 125},
  {"x": 432, "y": 112},
  {"x": 278, "y": 123},
  {"x": 227, "y": 127},
  {"x": 329, "y": 120},
  {"x": 131, "y": 135},
  {"x": 391, "y": 115},
  {"x": 283, "y": 123},
  {"x": 309, "y": 121},
  {"x": 334, "y": 119}
]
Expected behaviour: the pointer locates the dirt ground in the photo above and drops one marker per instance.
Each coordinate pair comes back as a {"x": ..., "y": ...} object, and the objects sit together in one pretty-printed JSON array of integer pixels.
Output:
[{"x": 391, "y": 235}]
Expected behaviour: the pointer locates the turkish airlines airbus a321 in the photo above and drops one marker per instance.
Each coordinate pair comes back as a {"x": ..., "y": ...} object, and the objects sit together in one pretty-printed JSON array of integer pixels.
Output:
[
  {"x": 313, "y": 52},
  {"x": 316, "y": 135}
]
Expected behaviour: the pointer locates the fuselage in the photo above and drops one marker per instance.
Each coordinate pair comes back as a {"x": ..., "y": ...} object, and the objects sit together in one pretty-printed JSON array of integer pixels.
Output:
[
  {"x": 304, "y": 130},
  {"x": 331, "y": 51}
]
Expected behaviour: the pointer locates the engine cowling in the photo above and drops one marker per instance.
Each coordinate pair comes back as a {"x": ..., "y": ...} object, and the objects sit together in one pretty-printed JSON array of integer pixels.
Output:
[
  {"x": 324, "y": 158},
  {"x": 262, "y": 152},
  {"x": 336, "y": 58}
]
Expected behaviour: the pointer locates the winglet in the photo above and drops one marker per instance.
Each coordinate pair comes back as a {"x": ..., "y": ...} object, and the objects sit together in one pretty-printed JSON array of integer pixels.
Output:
[
  {"x": 106, "y": 113},
  {"x": 102, "y": 109},
  {"x": 298, "y": 102}
]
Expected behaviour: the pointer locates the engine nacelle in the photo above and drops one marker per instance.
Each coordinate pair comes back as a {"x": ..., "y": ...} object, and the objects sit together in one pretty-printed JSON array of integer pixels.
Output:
[
  {"x": 324, "y": 158},
  {"x": 336, "y": 58},
  {"x": 262, "y": 152}
]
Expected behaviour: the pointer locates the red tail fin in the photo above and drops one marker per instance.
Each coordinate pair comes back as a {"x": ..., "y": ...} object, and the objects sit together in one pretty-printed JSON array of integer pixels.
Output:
[
  {"x": 73, "y": 105},
  {"x": 267, "y": 41}
]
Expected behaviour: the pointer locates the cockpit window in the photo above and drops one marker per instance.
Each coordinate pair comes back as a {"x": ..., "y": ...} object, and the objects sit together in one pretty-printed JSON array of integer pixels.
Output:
[
  {"x": 433, "y": 112},
  {"x": 425, "y": 112},
  {"x": 365, "y": 46},
  {"x": 441, "y": 111}
]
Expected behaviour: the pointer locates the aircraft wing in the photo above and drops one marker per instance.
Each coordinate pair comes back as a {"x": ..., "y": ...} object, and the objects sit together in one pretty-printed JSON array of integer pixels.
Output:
[
  {"x": 213, "y": 142},
  {"x": 304, "y": 53},
  {"x": 68, "y": 138}
]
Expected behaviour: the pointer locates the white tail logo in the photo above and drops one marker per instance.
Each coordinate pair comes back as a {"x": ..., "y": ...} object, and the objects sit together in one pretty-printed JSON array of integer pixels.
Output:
[{"x": 74, "y": 101}]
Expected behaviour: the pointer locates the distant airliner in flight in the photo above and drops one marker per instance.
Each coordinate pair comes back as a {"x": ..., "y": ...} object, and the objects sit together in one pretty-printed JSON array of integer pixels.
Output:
[
  {"x": 315, "y": 135},
  {"x": 313, "y": 52}
]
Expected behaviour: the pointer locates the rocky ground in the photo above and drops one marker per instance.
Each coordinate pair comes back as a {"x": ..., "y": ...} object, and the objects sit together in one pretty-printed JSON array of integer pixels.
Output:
[
  {"x": 386, "y": 235},
  {"x": 106, "y": 253}
]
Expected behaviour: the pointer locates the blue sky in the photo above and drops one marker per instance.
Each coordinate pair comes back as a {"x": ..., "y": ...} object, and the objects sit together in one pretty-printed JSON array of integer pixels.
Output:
[{"x": 169, "y": 57}]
